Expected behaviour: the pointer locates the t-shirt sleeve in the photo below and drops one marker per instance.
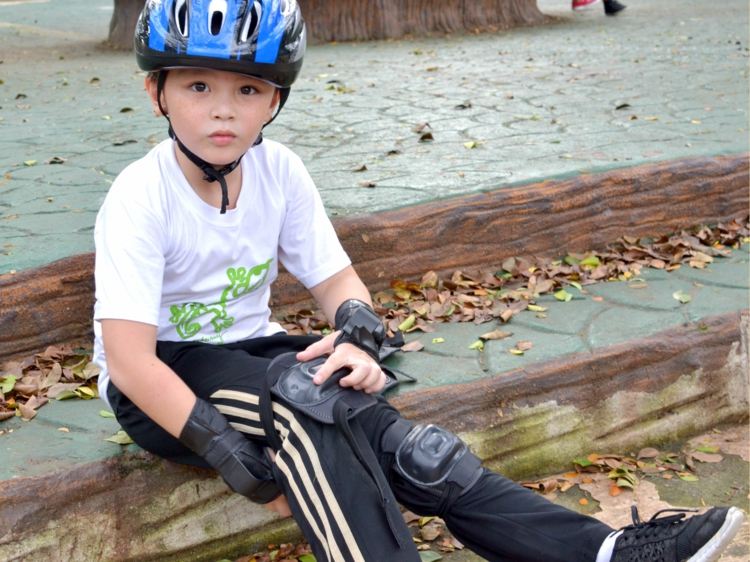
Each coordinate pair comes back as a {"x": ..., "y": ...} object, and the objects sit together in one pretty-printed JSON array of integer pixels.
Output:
[
  {"x": 308, "y": 245},
  {"x": 129, "y": 260}
]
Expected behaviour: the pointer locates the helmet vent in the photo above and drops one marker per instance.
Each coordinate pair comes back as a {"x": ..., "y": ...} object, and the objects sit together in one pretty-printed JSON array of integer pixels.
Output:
[
  {"x": 288, "y": 6},
  {"x": 262, "y": 38},
  {"x": 181, "y": 17},
  {"x": 216, "y": 19},
  {"x": 217, "y": 11},
  {"x": 252, "y": 17}
]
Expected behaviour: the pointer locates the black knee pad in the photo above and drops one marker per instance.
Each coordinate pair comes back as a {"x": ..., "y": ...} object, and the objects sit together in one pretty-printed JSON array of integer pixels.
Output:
[
  {"x": 429, "y": 456},
  {"x": 292, "y": 381}
]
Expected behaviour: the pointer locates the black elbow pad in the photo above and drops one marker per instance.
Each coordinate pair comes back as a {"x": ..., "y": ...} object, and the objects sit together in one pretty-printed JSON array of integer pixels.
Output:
[{"x": 240, "y": 461}]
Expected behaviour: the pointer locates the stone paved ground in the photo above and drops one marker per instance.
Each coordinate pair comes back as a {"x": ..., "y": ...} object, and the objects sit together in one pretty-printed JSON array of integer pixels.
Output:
[{"x": 543, "y": 103}]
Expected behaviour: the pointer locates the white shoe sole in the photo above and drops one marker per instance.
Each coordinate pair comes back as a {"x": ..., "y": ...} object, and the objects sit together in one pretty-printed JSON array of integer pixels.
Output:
[{"x": 714, "y": 547}]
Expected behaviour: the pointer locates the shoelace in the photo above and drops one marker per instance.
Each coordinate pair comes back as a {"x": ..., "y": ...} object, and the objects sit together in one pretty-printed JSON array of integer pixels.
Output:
[{"x": 655, "y": 524}]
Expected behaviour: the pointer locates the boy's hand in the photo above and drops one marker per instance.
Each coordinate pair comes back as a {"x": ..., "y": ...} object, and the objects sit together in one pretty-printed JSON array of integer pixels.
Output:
[
  {"x": 323, "y": 346},
  {"x": 366, "y": 374},
  {"x": 280, "y": 506}
]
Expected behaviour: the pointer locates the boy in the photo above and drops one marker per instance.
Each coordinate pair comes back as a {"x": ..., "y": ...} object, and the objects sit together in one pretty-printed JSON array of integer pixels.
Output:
[{"x": 188, "y": 242}]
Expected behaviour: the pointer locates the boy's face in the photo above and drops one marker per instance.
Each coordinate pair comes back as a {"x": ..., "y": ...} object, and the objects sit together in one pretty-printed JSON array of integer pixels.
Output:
[{"x": 217, "y": 115}]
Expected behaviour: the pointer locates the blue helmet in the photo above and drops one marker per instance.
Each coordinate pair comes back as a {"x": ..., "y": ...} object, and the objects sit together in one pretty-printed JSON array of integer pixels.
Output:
[{"x": 261, "y": 38}]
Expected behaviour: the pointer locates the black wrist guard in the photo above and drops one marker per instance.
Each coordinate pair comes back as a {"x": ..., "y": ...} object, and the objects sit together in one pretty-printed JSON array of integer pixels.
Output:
[
  {"x": 359, "y": 326},
  {"x": 240, "y": 461}
]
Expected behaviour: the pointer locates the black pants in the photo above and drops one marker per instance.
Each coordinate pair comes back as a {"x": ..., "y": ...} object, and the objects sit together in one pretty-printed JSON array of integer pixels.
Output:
[{"x": 342, "y": 513}]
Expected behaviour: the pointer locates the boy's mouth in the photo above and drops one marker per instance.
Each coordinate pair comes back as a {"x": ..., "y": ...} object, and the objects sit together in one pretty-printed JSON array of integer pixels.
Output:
[{"x": 222, "y": 138}]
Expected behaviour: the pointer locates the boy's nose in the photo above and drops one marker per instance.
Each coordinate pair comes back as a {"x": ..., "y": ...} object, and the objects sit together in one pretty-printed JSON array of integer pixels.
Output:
[
  {"x": 222, "y": 112},
  {"x": 222, "y": 108}
]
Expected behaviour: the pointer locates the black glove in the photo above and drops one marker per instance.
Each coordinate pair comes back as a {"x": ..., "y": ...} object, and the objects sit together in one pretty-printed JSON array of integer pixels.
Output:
[
  {"x": 359, "y": 326},
  {"x": 241, "y": 462}
]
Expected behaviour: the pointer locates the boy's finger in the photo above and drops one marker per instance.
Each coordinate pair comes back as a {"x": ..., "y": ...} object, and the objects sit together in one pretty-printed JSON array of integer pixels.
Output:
[
  {"x": 316, "y": 349},
  {"x": 310, "y": 352},
  {"x": 333, "y": 363},
  {"x": 371, "y": 381},
  {"x": 379, "y": 384},
  {"x": 375, "y": 383},
  {"x": 370, "y": 378},
  {"x": 356, "y": 378},
  {"x": 321, "y": 375}
]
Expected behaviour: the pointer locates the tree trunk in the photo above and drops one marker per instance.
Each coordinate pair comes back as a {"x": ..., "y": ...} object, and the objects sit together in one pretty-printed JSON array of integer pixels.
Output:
[
  {"x": 347, "y": 20},
  {"x": 122, "y": 25}
]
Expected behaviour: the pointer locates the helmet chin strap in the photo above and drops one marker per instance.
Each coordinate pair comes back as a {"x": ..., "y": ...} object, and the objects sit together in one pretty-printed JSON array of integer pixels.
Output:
[{"x": 211, "y": 172}]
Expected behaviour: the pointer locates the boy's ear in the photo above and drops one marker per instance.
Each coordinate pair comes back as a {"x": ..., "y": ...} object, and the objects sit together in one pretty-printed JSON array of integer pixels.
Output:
[
  {"x": 274, "y": 104},
  {"x": 152, "y": 90}
]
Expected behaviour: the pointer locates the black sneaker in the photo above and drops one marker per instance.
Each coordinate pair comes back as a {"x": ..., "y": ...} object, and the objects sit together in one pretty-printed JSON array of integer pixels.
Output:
[
  {"x": 673, "y": 538},
  {"x": 612, "y": 7}
]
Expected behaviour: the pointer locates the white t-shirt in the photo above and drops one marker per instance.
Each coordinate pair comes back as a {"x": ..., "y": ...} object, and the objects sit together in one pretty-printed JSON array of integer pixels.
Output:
[{"x": 167, "y": 258}]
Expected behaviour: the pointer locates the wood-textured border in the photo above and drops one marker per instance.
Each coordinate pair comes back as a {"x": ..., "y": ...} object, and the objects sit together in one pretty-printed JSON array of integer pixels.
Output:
[{"x": 53, "y": 304}]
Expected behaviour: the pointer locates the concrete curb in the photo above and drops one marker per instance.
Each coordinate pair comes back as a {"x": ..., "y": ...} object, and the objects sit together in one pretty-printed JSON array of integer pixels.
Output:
[
  {"x": 673, "y": 384},
  {"x": 666, "y": 386}
]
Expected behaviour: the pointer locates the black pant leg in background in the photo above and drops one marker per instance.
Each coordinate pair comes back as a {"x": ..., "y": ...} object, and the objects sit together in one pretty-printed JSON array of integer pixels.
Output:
[{"x": 497, "y": 518}]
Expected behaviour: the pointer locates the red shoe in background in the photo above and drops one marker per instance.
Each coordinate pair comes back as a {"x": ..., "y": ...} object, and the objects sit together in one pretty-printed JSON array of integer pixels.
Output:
[{"x": 580, "y": 4}]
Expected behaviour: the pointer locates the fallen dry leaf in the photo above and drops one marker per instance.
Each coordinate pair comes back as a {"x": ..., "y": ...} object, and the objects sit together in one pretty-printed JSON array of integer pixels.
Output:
[
  {"x": 415, "y": 345},
  {"x": 706, "y": 457},
  {"x": 648, "y": 453},
  {"x": 430, "y": 532},
  {"x": 27, "y": 413},
  {"x": 495, "y": 335}
]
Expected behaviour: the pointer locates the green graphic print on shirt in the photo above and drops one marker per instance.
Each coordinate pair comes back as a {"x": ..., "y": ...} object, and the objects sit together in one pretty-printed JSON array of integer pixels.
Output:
[{"x": 241, "y": 282}]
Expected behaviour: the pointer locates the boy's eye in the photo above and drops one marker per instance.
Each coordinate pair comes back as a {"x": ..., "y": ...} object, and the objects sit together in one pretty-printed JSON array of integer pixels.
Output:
[
  {"x": 247, "y": 90},
  {"x": 199, "y": 87}
]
